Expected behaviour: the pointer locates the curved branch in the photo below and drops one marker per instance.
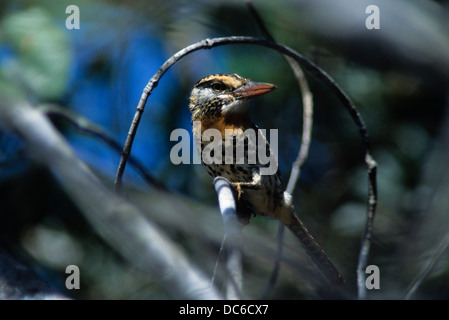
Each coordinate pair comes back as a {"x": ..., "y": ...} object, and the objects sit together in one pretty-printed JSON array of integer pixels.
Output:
[
  {"x": 314, "y": 70},
  {"x": 215, "y": 42},
  {"x": 307, "y": 103}
]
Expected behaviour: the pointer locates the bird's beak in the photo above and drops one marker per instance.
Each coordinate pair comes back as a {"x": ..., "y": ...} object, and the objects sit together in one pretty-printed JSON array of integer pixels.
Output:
[{"x": 253, "y": 89}]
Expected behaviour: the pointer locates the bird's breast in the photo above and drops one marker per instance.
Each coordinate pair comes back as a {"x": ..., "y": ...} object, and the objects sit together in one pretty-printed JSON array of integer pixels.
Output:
[{"x": 237, "y": 123}]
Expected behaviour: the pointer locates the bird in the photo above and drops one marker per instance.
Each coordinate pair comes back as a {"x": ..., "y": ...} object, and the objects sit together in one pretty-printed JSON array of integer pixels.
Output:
[{"x": 221, "y": 102}]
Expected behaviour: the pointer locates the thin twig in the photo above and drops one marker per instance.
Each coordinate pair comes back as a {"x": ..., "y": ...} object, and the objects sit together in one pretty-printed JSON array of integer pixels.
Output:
[
  {"x": 367, "y": 234},
  {"x": 307, "y": 102},
  {"x": 306, "y": 132}
]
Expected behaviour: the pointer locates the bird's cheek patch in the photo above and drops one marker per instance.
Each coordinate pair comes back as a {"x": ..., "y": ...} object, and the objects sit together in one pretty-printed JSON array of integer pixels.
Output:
[{"x": 236, "y": 106}]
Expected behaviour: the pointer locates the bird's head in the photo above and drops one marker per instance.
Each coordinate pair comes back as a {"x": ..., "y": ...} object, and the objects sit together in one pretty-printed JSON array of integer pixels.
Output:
[{"x": 221, "y": 94}]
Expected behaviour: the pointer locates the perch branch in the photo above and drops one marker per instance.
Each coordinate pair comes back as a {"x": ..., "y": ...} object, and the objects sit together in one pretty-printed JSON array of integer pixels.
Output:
[{"x": 232, "y": 239}]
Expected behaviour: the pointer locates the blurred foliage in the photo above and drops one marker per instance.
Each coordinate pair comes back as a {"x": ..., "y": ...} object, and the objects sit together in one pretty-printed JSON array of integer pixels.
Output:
[
  {"x": 40, "y": 53},
  {"x": 397, "y": 76}
]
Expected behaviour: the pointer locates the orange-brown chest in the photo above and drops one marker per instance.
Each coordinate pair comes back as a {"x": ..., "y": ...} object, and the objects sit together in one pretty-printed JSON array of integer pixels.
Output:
[
  {"x": 239, "y": 122},
  {"x": 229, "y": 128}
]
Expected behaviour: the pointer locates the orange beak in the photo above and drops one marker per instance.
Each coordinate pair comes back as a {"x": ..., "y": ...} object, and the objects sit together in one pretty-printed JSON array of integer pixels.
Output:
[{"x": 253, "y": 89}]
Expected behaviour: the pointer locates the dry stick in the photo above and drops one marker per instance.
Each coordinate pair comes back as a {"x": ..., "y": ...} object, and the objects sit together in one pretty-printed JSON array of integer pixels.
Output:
[
  {"x": 297, "y": 164},
  {"x": 303, "y": 153},
  {"x": 307, "y": 102},
  {"x": 367, "y": 233},
  {"x": 314, "y": 70}
]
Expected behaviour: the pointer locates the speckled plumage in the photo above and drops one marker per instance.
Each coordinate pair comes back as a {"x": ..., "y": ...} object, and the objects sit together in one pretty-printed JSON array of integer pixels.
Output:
[
  {"x": 219, "y": 102},
  {"x": 207, "y": 106}
]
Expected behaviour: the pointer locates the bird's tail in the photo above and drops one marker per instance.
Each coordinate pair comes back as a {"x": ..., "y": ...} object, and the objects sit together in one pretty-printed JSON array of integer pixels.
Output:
[{"x": 313, "y": 249}]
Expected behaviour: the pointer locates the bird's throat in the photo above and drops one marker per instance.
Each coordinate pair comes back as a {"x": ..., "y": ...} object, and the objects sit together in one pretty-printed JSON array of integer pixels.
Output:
[{"x": 231, "y": 121}]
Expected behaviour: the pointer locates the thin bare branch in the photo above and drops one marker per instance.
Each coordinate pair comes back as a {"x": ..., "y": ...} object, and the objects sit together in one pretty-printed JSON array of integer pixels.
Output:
[
  {"x": 307, "y": 103},
  {"x": 367, "y": 234},
  {"x": 303, "y": 153}
]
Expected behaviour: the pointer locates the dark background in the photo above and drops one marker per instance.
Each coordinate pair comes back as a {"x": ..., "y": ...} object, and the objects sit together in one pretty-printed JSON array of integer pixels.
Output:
[{"x": 397, "y": 77}]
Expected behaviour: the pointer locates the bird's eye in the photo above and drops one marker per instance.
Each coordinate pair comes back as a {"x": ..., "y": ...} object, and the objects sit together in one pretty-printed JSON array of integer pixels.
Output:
[{"x": 218, "y": 86}]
